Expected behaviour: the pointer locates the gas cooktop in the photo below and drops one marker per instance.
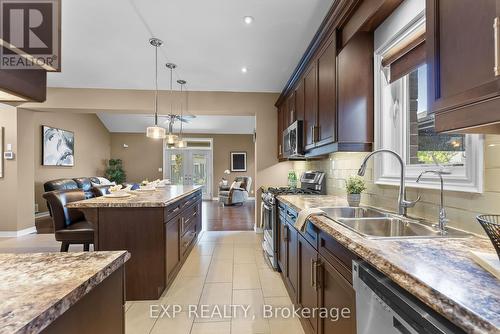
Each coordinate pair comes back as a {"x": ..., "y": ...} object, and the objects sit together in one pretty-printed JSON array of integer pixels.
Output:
[{"x": 289, "y": 191}]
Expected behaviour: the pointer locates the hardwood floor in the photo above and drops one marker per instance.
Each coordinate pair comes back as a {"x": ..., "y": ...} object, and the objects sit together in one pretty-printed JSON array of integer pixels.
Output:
[{"x": 228, "y": 218}]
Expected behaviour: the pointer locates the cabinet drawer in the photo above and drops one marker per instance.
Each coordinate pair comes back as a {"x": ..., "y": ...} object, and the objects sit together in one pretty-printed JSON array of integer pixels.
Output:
[
  {"x": 337, "y": 255},
  {"x": 175, "y": 208},
  {"x": 188, "y": 217},
  {"x": 188, "y": 237},
  {"x": 311, "y": 234}
]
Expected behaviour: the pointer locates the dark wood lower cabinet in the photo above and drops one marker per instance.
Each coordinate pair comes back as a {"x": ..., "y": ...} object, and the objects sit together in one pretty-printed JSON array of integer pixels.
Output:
[
  {"x": 101, "y": 311},
  {"x": 317, "y": 273},
  {"x": 307, "y": 296},
  {"x": 338, "y": 295},
  {"x": 172, "y": 249}
]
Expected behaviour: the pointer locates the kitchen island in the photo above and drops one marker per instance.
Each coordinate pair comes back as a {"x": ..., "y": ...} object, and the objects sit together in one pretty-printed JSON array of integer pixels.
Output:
[
  {"x": 62, "y": 292},
  {"x": 158, "y": 228}
]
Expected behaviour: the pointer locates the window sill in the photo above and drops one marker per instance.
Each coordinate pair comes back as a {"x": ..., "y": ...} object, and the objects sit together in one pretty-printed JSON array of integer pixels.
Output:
[{"x": 449, "y": 185}]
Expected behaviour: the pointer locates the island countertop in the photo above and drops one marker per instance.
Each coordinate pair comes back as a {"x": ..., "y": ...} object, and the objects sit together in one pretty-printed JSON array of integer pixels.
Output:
[
  {"x": 160, "y": 197},
  {"x": 38, "y": 288},
  {"x": 439, "y": 272}
]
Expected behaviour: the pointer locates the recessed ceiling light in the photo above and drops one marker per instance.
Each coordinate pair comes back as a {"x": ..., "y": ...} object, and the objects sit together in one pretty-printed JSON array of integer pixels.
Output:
[
  {"x": 248, "y": 19},
  {"x": 244, "y": 70}
]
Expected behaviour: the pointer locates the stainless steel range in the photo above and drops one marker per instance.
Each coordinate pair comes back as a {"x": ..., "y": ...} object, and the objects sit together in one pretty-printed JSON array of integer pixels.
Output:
[{"x": 311, "y": 182}]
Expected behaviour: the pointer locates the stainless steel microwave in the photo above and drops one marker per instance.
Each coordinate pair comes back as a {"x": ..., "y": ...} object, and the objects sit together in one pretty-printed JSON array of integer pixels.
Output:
[{"x": 292, "y": 141}]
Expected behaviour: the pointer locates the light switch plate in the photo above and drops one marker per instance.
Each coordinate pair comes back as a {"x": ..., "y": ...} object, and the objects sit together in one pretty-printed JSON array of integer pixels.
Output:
[{"x": 9, "y": 155}]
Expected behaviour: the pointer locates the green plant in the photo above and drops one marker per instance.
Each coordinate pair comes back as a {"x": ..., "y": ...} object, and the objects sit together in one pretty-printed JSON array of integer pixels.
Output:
[
  {"x": 355, "y": 185},
  {"x": 114, "y": 171}
]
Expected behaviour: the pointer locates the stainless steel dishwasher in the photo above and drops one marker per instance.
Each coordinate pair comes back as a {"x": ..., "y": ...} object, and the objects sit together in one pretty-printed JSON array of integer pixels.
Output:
[{"x": 382, "y": 307}]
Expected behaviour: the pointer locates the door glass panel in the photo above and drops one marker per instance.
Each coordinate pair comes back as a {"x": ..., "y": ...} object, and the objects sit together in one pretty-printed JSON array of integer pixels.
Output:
[
  {"x": 176, "y": 168},
  {"x": 200, "y": 177}
]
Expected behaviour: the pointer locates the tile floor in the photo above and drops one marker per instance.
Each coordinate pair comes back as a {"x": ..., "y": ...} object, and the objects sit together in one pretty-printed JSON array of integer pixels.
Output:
[{"x": 224, "y": 268}]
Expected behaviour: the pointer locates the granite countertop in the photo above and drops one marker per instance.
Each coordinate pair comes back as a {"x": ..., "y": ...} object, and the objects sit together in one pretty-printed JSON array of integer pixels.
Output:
[
  {"x": 37, "y": 288},
  {"x": 439, "y": 272},
  {"x": 160, "y": 197}
]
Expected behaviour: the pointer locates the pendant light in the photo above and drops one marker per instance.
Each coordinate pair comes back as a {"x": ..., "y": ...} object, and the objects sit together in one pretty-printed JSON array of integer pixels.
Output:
[
  {"x": 181, "y": 143},
  {"x": 171, "y": 138},
  {"x": 156, "y": 132}
]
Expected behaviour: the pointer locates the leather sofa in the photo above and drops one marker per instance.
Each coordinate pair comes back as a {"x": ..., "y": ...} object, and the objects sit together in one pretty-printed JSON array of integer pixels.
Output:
[
  {"x": 90, "y": 185},
  {"x": 229, "y": 195}
]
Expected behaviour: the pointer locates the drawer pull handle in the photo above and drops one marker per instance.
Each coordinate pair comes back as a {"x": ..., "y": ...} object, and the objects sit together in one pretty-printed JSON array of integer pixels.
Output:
[
  {"x": 496, "y": 30},
  {"x": 313, "y": 269}
]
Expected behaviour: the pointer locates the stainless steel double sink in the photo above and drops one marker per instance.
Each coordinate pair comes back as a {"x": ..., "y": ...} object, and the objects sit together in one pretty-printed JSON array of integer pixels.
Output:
[{"x": 378, "y": 224}]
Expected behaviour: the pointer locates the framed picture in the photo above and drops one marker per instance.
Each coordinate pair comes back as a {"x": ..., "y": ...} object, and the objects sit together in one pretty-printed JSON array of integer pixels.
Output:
[
  {"x": 1, "y": 151},
  {"x": 58, "y": 147},
  {"x": 238, "y": 161}
]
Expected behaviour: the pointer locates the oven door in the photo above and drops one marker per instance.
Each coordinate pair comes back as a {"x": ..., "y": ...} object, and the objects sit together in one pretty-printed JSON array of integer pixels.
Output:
[{"x": 269, "y": 227}]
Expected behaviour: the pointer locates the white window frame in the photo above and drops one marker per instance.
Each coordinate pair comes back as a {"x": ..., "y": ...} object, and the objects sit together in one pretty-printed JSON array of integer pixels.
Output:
[{"x": 468, "y": 178}]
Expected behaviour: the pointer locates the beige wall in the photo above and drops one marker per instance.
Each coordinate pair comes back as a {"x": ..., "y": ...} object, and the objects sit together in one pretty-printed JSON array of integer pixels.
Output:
[
  {"x": 462, "y": 207},
  {"x": 16, "y": 186},
  {"x": 139, "y": 144},
  {"x": 141, "y": 159},
  {"x": 92, "y": 148}
]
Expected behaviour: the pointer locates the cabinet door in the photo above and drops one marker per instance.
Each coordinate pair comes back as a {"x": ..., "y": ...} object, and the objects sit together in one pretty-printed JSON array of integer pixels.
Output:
[
  {"x": 461, "y": 62},
  {"x": 336, "y": 293},
  {"x": 282, "y": 248},
  {"x": 292, "y": 261},
  {"x": 307, "y": 295},
  {"x": 299, "y": 101},
  {"x": 355, "y": 90},
  {"x": 310, "y": 106},
  {"x": 291, "y": 113},
  {"x": 327, "y": 93},
  {"x": 172, "y": 248},
  {"x": 280, "y": 131}
]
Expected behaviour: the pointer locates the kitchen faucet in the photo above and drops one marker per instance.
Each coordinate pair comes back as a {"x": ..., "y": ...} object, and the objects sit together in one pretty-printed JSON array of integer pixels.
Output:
[
  {"x": 403, "y": 204},
  {"x": 442, "y": 211}
]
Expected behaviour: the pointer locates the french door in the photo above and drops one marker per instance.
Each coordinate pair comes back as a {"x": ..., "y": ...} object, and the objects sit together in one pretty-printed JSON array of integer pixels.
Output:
[{"x": 189, "y": 167}]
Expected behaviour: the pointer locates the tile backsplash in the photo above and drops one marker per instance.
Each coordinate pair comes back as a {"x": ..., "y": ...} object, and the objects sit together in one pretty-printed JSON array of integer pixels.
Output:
[{"x": 462, "y": 207}]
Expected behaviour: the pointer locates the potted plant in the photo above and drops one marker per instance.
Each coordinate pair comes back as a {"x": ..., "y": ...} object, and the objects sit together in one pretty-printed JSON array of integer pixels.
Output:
[
  {"x": 114, "y": 171},
  {"x": 354, "y": 186}
]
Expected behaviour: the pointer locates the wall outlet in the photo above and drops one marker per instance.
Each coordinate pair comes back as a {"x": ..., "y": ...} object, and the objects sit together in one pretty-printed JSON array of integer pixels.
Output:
[{"x": 160, "y": 169}]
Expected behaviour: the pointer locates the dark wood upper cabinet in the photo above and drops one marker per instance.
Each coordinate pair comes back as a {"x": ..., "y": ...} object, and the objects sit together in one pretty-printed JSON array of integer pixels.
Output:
[
  {"x": 327, "y": 93},
  {"x": 463, "y": 38},
  {"x": 280, "y": 131},
  {"x": 310, "y": 106},
  {"x": 355, "y": 92},
  {"x": 291, "y": 114},
  {"x": 299, "y": 101}
]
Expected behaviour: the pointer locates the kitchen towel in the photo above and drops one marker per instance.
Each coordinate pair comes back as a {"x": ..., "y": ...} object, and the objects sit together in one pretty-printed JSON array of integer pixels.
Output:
[
  {"x": 304, "y": 215},
  {"x": 261, "y": 223}
]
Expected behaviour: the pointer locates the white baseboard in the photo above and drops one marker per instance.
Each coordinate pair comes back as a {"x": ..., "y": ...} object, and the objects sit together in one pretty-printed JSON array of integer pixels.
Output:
[
  {"x": 20, "y": 233},
  {"x": 42, "y": 214},
  {"x": 258, "y": 230}
]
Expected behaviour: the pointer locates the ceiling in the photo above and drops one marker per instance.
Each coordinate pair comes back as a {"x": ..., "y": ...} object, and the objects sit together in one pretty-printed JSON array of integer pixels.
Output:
[
  {"x": 201, "y": 124},
  {"x": 105, "y": 42}
]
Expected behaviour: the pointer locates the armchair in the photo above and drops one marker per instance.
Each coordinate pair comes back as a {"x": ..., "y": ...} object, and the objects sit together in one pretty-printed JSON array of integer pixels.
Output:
[{"x": 236, "y": 193}]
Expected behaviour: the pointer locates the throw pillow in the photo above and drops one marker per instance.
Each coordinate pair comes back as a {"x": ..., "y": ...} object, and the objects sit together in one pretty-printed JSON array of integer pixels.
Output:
[{"x": 236, "y": 184}]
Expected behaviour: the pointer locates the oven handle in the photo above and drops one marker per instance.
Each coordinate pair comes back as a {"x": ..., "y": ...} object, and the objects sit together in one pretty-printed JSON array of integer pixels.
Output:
[{"x": 267, "y": 207}]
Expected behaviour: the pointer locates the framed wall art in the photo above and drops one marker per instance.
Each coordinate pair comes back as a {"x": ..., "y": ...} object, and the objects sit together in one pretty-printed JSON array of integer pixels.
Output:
[
  {"x": 58, "y": 147},
  {"x": 238, "y": 161}
]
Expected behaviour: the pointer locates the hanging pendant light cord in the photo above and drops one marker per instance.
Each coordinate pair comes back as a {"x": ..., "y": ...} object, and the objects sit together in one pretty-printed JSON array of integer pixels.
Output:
[{"x": 156, "y": 85}]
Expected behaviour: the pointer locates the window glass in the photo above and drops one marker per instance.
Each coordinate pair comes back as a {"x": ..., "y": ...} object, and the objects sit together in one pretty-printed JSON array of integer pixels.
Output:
[{"x": 424, "y": 145}]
